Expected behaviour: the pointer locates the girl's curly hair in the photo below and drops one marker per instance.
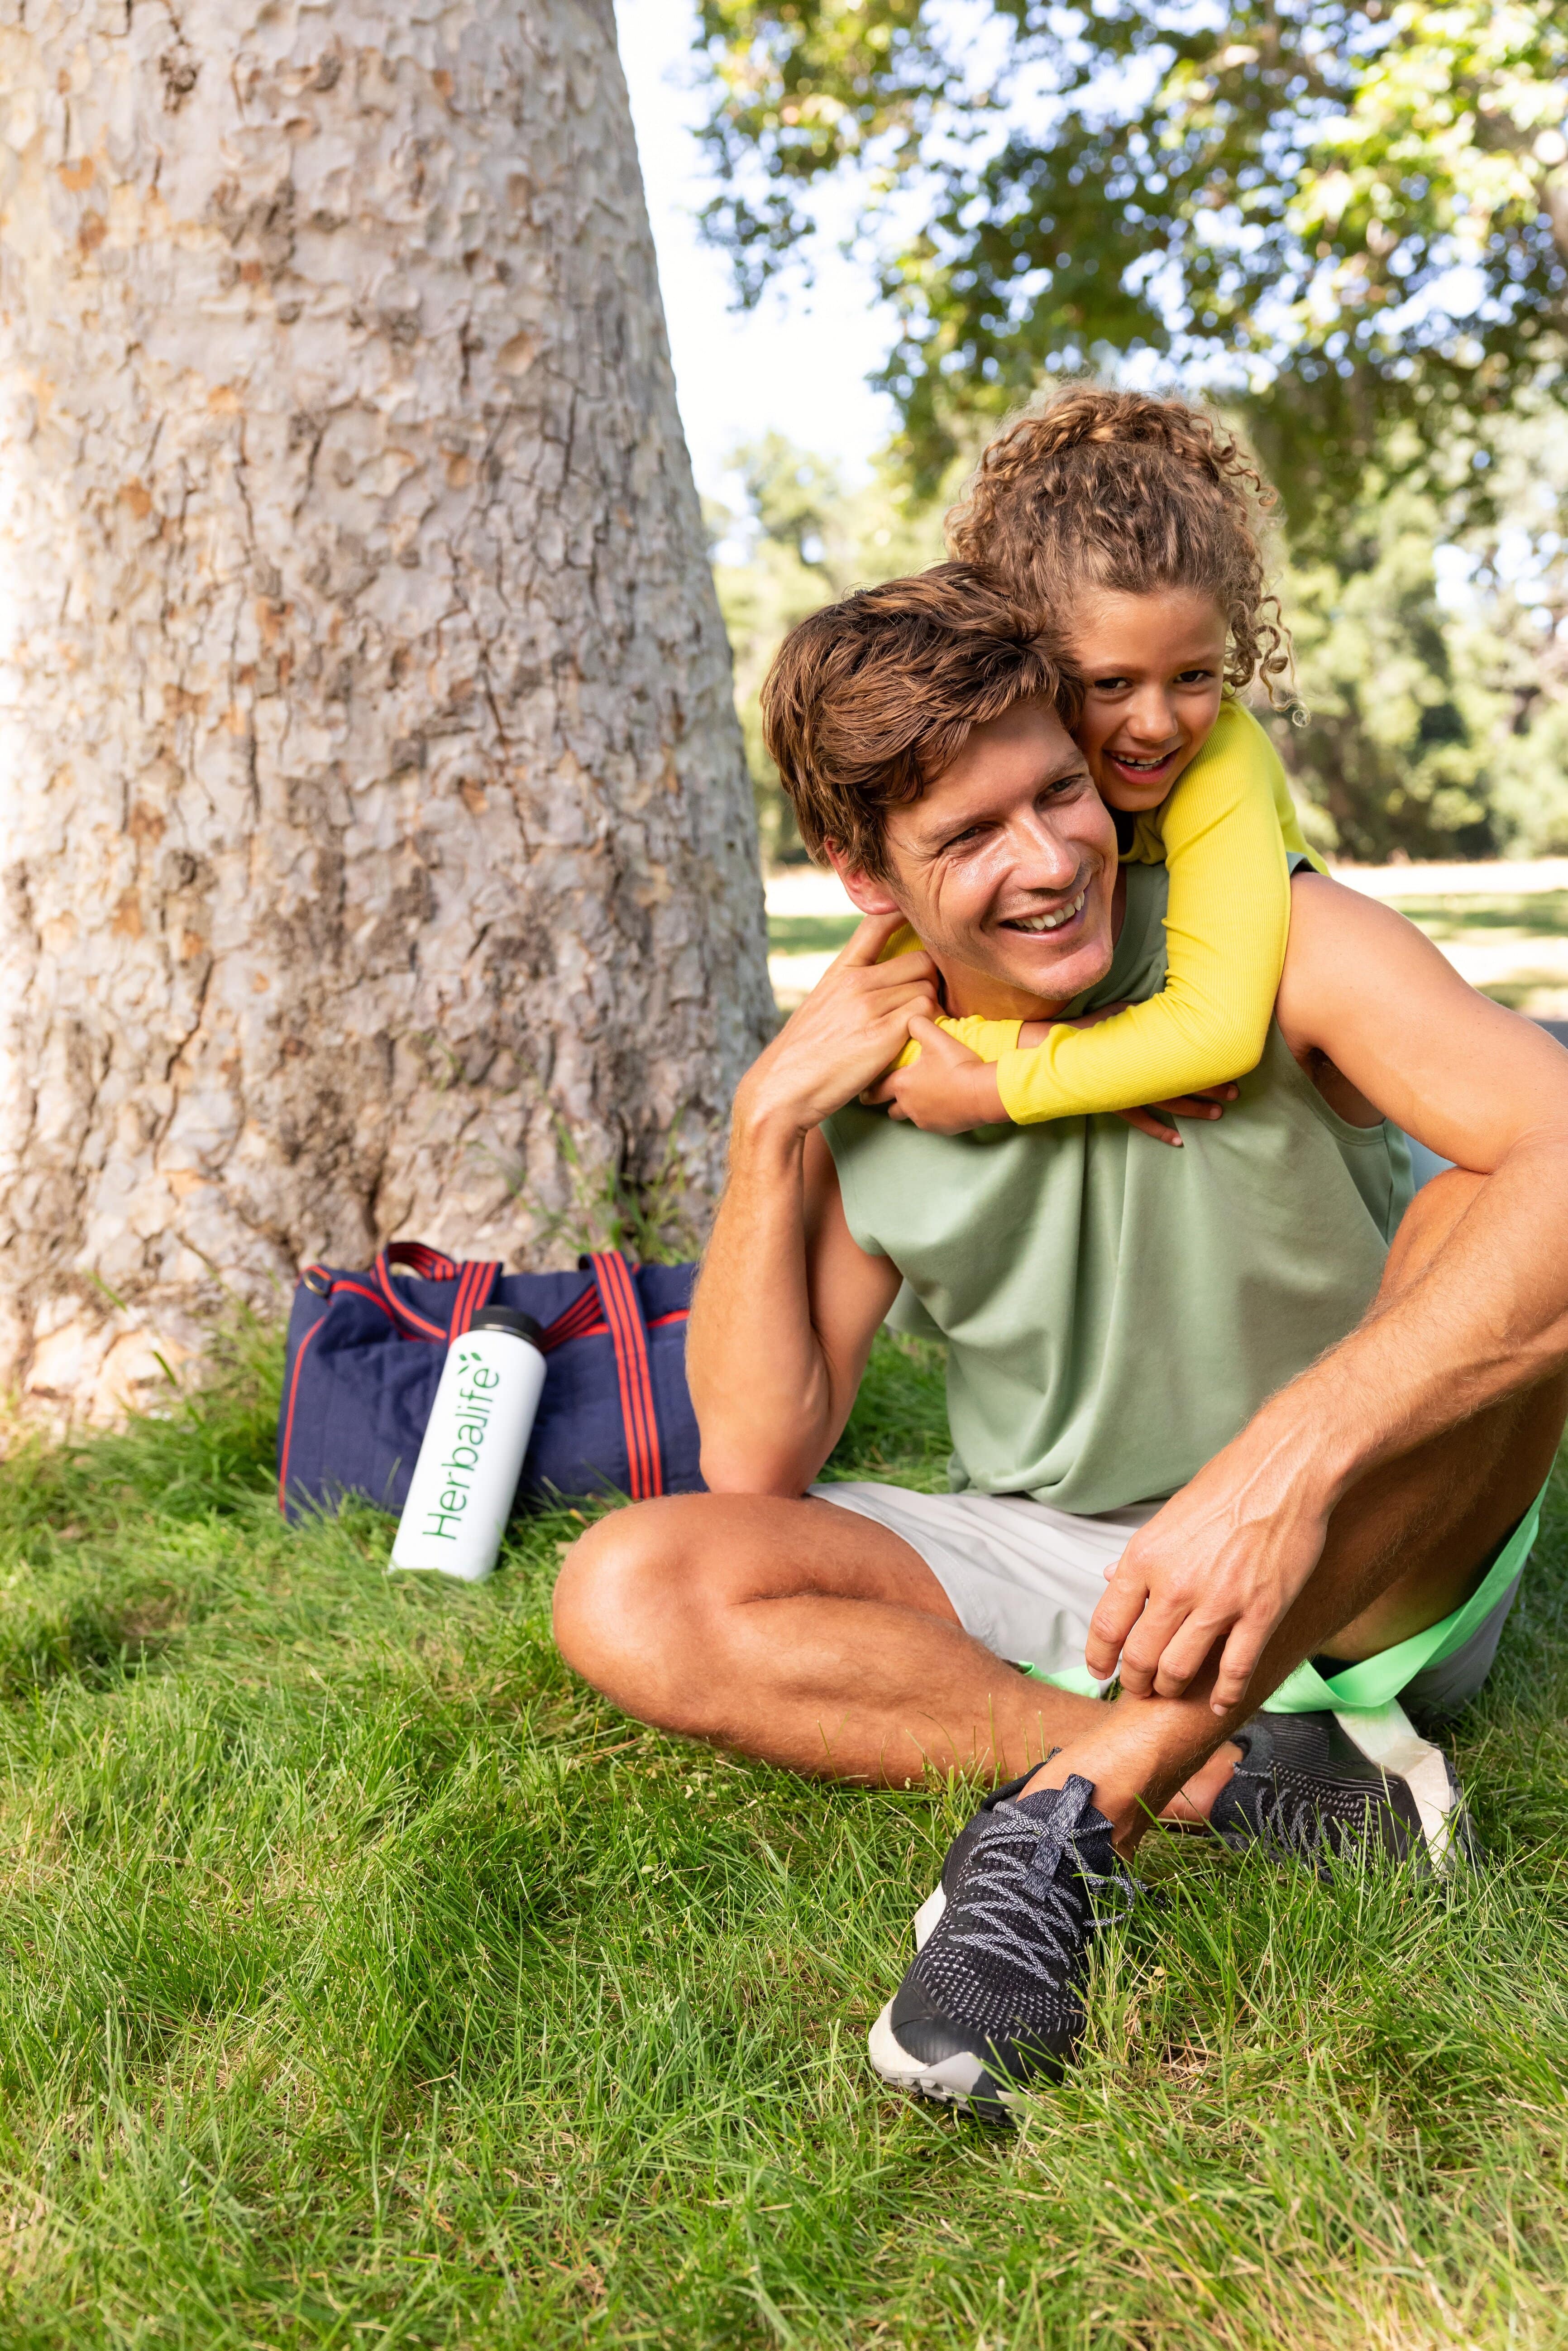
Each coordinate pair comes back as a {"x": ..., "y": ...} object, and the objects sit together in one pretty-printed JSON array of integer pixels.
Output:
[{"x": 1122, "y": 491}]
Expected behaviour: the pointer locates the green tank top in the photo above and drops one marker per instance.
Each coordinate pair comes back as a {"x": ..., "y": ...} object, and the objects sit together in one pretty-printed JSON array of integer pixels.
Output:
[{"x": 1115, "y": 1311}]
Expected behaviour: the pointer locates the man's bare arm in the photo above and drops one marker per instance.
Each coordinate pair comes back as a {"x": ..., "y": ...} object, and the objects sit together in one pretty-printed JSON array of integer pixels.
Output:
[
  {"x": 1487, "y": 1318},
  {"x": 787, "y": 1304}
]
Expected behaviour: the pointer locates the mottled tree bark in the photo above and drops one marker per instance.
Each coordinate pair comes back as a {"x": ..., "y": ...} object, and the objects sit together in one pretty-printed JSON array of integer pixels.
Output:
[{"x": 375, "y": 819}]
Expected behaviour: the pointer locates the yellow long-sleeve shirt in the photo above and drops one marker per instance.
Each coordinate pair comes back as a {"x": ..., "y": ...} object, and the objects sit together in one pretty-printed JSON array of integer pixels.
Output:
[{"x": 1223, "y": 831}]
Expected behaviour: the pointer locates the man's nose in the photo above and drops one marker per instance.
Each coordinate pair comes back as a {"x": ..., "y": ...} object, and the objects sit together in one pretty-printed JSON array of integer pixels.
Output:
[{"x": 1044, "y": 859}]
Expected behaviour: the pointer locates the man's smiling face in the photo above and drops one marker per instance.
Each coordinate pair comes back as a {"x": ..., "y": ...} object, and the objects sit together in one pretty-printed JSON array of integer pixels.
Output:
[{"x": 1006, "y": 867}]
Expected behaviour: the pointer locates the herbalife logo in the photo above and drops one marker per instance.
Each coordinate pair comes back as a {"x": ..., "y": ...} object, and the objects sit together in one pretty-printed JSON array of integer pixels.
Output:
[{"x": 464, "y": 1450}]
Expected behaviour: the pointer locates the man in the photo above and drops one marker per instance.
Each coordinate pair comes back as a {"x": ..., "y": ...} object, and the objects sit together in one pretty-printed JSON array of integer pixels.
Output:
[{"x": 1352, "y": 1400}]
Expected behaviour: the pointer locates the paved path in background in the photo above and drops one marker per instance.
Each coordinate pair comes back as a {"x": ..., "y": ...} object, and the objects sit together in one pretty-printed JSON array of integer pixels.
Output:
[{"x": 1524, "y": 965}]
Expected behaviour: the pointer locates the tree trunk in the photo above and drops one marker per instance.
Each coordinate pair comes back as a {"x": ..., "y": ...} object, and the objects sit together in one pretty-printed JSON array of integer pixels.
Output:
[{"x": 379, "y": 850}]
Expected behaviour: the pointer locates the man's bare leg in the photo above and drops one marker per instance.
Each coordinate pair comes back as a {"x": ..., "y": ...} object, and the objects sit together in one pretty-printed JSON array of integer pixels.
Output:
[{"x": 804, "y": 1633}]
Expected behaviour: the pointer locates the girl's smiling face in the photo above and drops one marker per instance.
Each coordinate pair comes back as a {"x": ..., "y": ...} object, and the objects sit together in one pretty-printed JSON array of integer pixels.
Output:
[{"x": 1153, "y": 669}]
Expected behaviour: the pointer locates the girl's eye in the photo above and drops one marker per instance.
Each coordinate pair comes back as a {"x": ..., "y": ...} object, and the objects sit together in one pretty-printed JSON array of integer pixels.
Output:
[
  {"x": 1192, "y": 678},
  {"x": 1109, "y": 685}
]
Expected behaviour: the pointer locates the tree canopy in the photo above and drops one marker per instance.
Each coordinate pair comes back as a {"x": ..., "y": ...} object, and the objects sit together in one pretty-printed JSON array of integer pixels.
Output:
[{"x": 1348, "y": 218}]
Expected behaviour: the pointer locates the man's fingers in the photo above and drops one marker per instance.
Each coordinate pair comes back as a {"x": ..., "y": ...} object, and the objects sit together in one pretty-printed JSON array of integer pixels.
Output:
[
  {"x": 1185, "y": 1654},
  {"x": 872, "y": 934},
  {"x": 1237, "y": 1666},
  {"x": 932, "y": 1038},
  {"x": 1113, "y": 1620},
  {"x": 1146, "y": 1644}
]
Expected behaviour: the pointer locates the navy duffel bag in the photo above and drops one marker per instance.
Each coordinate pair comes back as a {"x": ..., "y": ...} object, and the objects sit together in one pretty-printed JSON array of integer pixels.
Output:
[{"x": 365, "y": 1352}]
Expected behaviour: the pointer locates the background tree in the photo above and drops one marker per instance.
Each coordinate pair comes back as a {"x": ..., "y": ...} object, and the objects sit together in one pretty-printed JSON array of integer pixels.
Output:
[
  {"x": 798, "y": 540},
  {"x": 378, "y": 852},
  {"x": 1354, "y": 216}
]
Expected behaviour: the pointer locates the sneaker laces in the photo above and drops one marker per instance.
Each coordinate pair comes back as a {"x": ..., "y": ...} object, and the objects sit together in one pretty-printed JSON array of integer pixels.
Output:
[
  {"x": 1290, "y": 1818},
  {"x": 1016, "y": 1903},
  {"x": 1301, "y": 1820}
]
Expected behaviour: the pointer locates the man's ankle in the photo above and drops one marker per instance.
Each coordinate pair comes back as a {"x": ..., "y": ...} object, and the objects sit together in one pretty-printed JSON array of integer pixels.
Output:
[{"x": 1120, "y": 1791}]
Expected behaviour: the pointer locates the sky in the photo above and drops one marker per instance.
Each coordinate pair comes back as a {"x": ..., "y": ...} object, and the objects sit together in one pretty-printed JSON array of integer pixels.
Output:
[{"x": 797, "y": 364}]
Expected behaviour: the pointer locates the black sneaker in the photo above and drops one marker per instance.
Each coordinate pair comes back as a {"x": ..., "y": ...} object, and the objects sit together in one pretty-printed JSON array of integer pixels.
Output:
[
  {"x": 993, "y": 1998},
  {"x": 929, "y": 1915},
  {"x": 1304, "y": 1788}
]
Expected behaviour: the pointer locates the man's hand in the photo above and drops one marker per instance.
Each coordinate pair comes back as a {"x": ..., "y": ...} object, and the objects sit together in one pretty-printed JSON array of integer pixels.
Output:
[
  {"x": 853, "y": 1023},
  {"x": 1222, "y": 1562}
]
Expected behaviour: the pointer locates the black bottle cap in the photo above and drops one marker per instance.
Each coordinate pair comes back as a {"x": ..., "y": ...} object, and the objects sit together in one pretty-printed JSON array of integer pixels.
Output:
[{"x": 508, "y": 1318}]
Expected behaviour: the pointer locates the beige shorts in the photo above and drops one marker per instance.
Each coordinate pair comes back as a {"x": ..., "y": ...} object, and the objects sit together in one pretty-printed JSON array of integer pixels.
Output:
[{"x": 1023, "y": 1579}]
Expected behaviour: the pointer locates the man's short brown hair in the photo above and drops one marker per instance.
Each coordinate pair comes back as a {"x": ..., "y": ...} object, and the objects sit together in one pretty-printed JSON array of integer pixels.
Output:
[{"x": 869, "y": 700}]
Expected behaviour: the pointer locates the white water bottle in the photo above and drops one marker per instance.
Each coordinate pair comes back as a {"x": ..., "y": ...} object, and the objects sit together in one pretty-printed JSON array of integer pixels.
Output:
[{"x": 465, "y": 1479}]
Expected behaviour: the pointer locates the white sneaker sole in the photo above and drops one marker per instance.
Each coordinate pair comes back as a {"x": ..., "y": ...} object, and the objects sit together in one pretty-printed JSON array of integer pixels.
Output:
[
  {"x": 928, "y": 1917},
  {"x": 1386, "y": 1737},
  {"x": 951, "y": 2080}
]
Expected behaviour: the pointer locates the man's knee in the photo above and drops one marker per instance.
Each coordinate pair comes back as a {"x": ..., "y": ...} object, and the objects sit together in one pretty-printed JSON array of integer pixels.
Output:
[
  {"x": 625, "y": 1597},
  {"x": 602, "y": 1591}
]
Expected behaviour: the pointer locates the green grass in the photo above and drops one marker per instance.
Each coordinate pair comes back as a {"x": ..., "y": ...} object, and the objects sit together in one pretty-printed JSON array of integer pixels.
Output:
[
  {"x": 1544, "y": 912},
  {"x": 365, "y": 1981},
  {"x": 810, "y": 934}
]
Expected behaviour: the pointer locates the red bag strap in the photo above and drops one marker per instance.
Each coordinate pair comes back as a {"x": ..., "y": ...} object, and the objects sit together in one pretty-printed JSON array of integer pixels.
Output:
[
  {"x": 629, "y": 1336},
  {"x": 475, "y": 1279},
  {"x": 583, "y": 1319},
  {"x": 475, "y": 1283},
  {"x": 425, "y": 1264}
]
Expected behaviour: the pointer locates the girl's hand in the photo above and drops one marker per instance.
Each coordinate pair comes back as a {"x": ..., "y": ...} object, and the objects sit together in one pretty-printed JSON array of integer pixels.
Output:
[
  {"x": 947, "y": 1090},
  {"x": 1207, "y": 1104}
]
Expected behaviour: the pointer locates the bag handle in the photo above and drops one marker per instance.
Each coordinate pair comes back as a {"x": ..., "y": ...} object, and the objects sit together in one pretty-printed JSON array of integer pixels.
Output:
[
  {"x": 474, "y": 1282},
  {"x": 475, "y": 1279},
  {"x": 629, "y": 1336}
]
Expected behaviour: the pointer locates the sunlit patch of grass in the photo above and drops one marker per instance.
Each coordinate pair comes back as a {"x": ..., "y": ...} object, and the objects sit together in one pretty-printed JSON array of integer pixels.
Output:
[
  {"x": 1544, "y": 912},
  {"x": 364, "y": 1979},
  {"x": 810, "y": 934}
]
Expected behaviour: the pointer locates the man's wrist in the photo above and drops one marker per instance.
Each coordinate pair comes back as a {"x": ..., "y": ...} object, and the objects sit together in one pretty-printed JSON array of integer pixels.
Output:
[
  {"x": 1301, "y": 1442},
  {"x": 765, "y": 1125}
]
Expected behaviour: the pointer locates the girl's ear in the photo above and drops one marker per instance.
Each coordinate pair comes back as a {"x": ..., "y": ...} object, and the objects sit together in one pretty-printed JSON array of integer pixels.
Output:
[{"x": 870, "y": 897}]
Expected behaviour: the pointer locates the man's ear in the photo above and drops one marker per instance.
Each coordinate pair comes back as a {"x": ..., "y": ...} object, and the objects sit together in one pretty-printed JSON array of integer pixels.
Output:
[{"x": 870, "y": 896}]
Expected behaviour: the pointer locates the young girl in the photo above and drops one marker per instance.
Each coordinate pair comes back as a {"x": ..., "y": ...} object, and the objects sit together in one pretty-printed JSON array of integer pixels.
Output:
[{"x": 1131, "y": 525}]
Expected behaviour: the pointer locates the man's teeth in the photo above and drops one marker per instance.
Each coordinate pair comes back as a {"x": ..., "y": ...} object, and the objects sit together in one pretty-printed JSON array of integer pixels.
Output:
[{"x": 1053, "y": 922}]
